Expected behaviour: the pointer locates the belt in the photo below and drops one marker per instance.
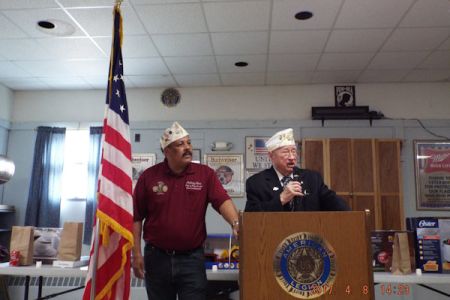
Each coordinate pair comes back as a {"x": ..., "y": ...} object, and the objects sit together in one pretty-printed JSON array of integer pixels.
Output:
[{"x": 173, "y": 252}]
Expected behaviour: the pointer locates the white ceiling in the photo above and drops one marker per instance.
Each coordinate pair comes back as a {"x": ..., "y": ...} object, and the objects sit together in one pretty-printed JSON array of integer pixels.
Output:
[{"x": 186, "y": 43}]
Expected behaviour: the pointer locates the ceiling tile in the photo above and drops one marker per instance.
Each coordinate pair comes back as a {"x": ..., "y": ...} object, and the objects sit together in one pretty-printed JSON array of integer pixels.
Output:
[
  {"x": 232, "y": 43},
  {"x": 71, "y": 48},
  {"x": 428, "y": 75},
  {"x": 145, "y": 66},
  {"x": 27, "y": 20},
  {"x": 91, "y": 67},
  {"x": 89, "y": 3},
  {"x": 344, "y": 61},
  {"x": 11, "y": 70},
  {"x": 191, "y": 65},
  {"x": 372, "y": 14},
  {"x": 288, "y": 78},
  {"x": 17, "y": 4},
  {"x": 198, "y": 80},
  {"x": 437, "y": 60},
  {"x": 237, "y": 16},
  {"x": 353, "y": 40},
  {"x": 396, "y": 60},
  {"x": 24, "y": 49},
  {"x": 9, "y": 30},
  {"x": 183, "y": 44},
  {"x": 341, "y": 76},
  {"x": 426, "y": 13},
  {"x": 292, "y": 62},
  {"x": 382, "y": 75},
  {"x": 152, "y": 81},
  {"x": 310, "y": 41},
  {"x": 172, "y": 18},
  {"x": 256, "y": 63},
  {"x": 46, "y": 68},
  {"x": 162, "y": 1},
  {"x": 25, "y": 84},
  {"x": 412, "y": 39},
  {"x": 65, "y": 82},
  {"x": 283, "y": 15},
  {"x": 99, "y": 21},
  {"x": 241, "y": 79}
]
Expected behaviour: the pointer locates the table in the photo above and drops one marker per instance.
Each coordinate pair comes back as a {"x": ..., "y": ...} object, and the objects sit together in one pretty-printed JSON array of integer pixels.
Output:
[{"x": 50, "y": 271}]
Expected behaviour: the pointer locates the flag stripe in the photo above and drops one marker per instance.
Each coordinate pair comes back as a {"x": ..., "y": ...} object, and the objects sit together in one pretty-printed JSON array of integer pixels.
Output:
[
  {"x": 117, "y": 176},
  {"x": 110, "y": 189},
  {"x": 113, "y": 137}
]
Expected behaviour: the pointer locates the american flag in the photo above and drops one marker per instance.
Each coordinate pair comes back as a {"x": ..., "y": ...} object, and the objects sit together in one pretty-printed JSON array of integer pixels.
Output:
[
  {"x": 260, "y": 146},
  {"x": 109, "y": 266}
]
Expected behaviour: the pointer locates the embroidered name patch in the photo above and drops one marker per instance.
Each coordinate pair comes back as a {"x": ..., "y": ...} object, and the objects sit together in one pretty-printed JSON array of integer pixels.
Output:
[{"x": 194, "y": 185}]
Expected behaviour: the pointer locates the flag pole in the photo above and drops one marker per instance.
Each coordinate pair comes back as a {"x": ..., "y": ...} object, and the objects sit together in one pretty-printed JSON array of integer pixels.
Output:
[{"x": 94, "y": 265}]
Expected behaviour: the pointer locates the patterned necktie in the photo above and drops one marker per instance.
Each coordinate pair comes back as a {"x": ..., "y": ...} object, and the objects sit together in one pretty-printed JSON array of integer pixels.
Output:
[{"x": 285, "y": 180}]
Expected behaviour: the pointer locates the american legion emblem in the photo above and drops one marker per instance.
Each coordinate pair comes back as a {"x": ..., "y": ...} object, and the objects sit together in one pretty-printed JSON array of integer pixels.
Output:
[{"x": 305, "y": 265}]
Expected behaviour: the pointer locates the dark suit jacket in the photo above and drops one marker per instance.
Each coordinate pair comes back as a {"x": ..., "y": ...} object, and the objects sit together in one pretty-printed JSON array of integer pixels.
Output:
[{"x": 264, "y": 189}]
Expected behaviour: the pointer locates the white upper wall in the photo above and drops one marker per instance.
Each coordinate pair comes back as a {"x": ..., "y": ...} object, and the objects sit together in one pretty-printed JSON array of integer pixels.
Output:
[
  {"x": 412, "y": 100},
  {"x": 6, "y": 98}
]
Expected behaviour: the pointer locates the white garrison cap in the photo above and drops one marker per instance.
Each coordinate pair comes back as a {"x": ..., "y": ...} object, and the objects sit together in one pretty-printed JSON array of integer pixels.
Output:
[
  {"x": 280, "y": 139},
  {"x": 171, "y": 134}
]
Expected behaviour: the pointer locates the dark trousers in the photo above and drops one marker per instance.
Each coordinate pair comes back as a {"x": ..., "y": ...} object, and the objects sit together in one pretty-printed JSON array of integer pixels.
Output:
[{"x": 170, "y": 274}]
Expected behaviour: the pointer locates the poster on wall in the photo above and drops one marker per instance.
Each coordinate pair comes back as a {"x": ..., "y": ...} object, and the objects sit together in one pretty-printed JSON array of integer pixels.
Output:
[
  {"x": 140, "y": 162},
  {"x": 229, "y": 169},
  {"x": 432, "y": 168},
  {"x": 256, "y": 154}
]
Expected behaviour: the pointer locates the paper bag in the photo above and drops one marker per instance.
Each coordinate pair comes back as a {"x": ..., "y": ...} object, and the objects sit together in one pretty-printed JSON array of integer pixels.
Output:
[
  {"x": 70, "y": 243},
  {"x": 402, "y": 260},
  {"x": 22, "y": 240}
]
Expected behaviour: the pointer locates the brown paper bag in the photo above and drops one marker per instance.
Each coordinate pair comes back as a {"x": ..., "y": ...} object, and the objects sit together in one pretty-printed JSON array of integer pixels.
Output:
[
  {"x": 402, "y": 262},
  {"x": 70, "y": 243},
  {"x": 22, "y": 240}
]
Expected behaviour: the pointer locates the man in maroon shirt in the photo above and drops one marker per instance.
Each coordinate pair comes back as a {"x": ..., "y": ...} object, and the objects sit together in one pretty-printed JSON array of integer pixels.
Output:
[{"x": 171, "y": 199}]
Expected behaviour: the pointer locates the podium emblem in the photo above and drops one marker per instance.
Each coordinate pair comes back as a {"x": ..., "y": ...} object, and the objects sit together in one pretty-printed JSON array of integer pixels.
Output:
[{"x": 305, "y": 265}]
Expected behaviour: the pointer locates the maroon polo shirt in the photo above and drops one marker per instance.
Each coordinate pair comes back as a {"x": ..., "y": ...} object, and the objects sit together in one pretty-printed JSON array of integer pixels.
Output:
[{"x": 173, "y": 207}]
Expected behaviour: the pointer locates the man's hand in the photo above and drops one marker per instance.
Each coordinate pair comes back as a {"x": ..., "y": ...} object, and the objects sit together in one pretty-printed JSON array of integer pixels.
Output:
[
  {"x": 137, "y": 262},
  {"x": 291, "y": 190}
]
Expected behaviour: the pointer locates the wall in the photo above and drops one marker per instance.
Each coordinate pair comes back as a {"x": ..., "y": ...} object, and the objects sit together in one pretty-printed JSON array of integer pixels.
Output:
[
  {"x": 422, "y": 100},
  {"x": 6, "y": 98}
]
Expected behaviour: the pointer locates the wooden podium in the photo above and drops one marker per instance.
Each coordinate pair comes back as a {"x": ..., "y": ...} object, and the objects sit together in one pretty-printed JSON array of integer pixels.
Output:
[{"x": 305, "y": 255}]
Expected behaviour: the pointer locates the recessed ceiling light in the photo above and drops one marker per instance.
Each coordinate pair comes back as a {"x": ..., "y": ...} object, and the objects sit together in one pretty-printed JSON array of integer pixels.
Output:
[
  {"x": 241, "y": 64},
  {"x": 303, "y": 15},
  {"x": 55, "y": 27}
]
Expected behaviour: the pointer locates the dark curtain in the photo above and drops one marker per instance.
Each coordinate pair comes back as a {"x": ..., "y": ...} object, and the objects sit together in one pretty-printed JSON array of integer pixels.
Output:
[
  {"x": 95, "y": 139},
  {"x": 44, "y": 197}
]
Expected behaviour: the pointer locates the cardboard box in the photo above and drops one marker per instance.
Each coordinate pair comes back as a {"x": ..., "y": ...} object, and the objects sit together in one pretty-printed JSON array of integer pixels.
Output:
[{"x": 432, "y": 239}]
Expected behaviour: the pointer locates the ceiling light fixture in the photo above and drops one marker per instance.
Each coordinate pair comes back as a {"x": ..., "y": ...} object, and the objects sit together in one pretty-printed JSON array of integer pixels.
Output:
[
  {"x": 241, "y": 64},
  {"x": 55, "y": 27},
  {"x": 303, "y": 15}
]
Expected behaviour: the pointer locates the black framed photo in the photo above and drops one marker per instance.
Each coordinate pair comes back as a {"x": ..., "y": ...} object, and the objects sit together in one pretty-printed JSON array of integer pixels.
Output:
[{"x": 344, "y": 96}]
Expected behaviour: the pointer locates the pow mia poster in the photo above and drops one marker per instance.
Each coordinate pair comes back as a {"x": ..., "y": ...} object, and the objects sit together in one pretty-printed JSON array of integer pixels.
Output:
[
  {"x": 432, "y": 175},
  {"x": 256, "y": 154}
]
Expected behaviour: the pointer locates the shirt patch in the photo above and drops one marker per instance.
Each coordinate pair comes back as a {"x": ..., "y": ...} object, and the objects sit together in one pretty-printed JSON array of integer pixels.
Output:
[
  {"x": 194, "y": 185},
  {"x": 160, "y": 188}
]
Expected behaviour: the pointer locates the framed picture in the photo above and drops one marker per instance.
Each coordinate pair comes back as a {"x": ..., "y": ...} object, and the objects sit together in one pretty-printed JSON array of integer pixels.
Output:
[
  {"x": 344, "y": 96},
  {"x": 256, "y": 154},
  {"x": 229, "y": 169},
  {"x": 196, "y": 155},
  {"x": 432, "y": 169},
  {"x": 140, "y": 162}
]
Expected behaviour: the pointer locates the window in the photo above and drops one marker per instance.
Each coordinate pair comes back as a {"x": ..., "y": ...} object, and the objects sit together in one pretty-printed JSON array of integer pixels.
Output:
[{"x": 75, "y": 176}]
